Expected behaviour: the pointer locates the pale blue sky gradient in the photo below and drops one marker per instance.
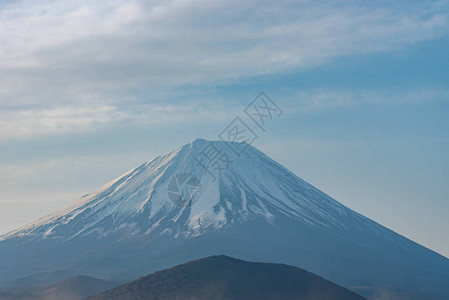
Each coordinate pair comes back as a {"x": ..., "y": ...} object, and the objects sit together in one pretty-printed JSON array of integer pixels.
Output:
[{"x": 91, "y": 90}]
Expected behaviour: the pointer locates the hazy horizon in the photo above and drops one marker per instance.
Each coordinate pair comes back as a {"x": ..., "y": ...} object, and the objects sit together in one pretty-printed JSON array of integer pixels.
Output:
[{"x": 92, "y": 90}]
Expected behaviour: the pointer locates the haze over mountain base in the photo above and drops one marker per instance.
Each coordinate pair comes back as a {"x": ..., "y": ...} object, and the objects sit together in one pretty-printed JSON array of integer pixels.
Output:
[{"x": 254, "y": 210}]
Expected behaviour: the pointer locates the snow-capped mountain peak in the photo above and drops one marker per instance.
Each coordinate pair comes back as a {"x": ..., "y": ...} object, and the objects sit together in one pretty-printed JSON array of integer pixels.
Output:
[
  {"x": 227, "y": 188},
  {"x": 215, "y": 197}
]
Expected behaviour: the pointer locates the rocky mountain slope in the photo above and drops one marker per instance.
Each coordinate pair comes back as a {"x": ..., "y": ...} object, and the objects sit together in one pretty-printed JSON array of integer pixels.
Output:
[{"x": 172, "y": 210}]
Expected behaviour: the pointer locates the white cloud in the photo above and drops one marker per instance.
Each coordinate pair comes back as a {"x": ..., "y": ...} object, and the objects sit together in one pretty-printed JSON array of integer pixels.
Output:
[
  {"x": 54, "y": 55},
  {"x": 178, "y": 41},
  {"x": 323, "y": 99},
  {"x": 35, "y": 123}
]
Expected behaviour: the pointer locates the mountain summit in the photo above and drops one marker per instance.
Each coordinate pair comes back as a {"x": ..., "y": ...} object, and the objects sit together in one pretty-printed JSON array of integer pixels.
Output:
[
  {"x": 247, "y": 187},
  {"x": 208, "y": 198}
]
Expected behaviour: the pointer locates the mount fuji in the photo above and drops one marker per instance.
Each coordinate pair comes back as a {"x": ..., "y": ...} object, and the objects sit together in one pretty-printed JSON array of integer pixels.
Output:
[{"x": 172, "y": 210}]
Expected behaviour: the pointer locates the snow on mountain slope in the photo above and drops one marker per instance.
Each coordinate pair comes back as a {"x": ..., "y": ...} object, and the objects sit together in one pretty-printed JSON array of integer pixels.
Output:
[
  {"x": 255, "y": 209},
  {"x": 137, "y": 202}
]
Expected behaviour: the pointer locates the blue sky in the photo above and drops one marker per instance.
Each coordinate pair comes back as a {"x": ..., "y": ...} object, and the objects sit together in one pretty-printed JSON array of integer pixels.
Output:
[{"x": 89, "y": 90}]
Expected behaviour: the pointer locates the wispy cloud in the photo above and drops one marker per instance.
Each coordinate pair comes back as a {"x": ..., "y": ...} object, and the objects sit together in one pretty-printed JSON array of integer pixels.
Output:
[
  {"x": 29, "y": 174},
  {"x": 87, "y": 45},
  {"x": 35, "y": 123},
  {"x": 325, "y": 99},
  {"x": 54, "y": 55}
]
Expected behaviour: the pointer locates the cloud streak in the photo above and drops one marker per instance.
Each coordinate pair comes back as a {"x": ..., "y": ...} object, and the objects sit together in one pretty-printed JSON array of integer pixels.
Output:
[
  {"x": 54, "y": 55},
  {"x": 35, "y": 123},
  {"x": 326, "y": 99}
]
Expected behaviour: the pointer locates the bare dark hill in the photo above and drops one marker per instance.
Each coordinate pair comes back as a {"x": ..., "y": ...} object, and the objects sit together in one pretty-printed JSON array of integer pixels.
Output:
[{"x": 226, "y": 278}]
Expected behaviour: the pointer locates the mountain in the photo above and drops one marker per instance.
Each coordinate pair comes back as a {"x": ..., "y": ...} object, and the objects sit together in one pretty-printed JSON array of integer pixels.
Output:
[
  {"x": 226, "y": 278},
  {"x": 72, "y": 288},
  {"x": 172, "y": 210},
  {"x": 38, "y": 279}
]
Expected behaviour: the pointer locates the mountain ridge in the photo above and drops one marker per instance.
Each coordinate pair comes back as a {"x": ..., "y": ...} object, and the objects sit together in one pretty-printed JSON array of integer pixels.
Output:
[
  {"x": 307, "y": 211},
  {"x": 226, "y": 278},
  {"x": 70, "y": 288},
  {"x": 255, "y": 209}
]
